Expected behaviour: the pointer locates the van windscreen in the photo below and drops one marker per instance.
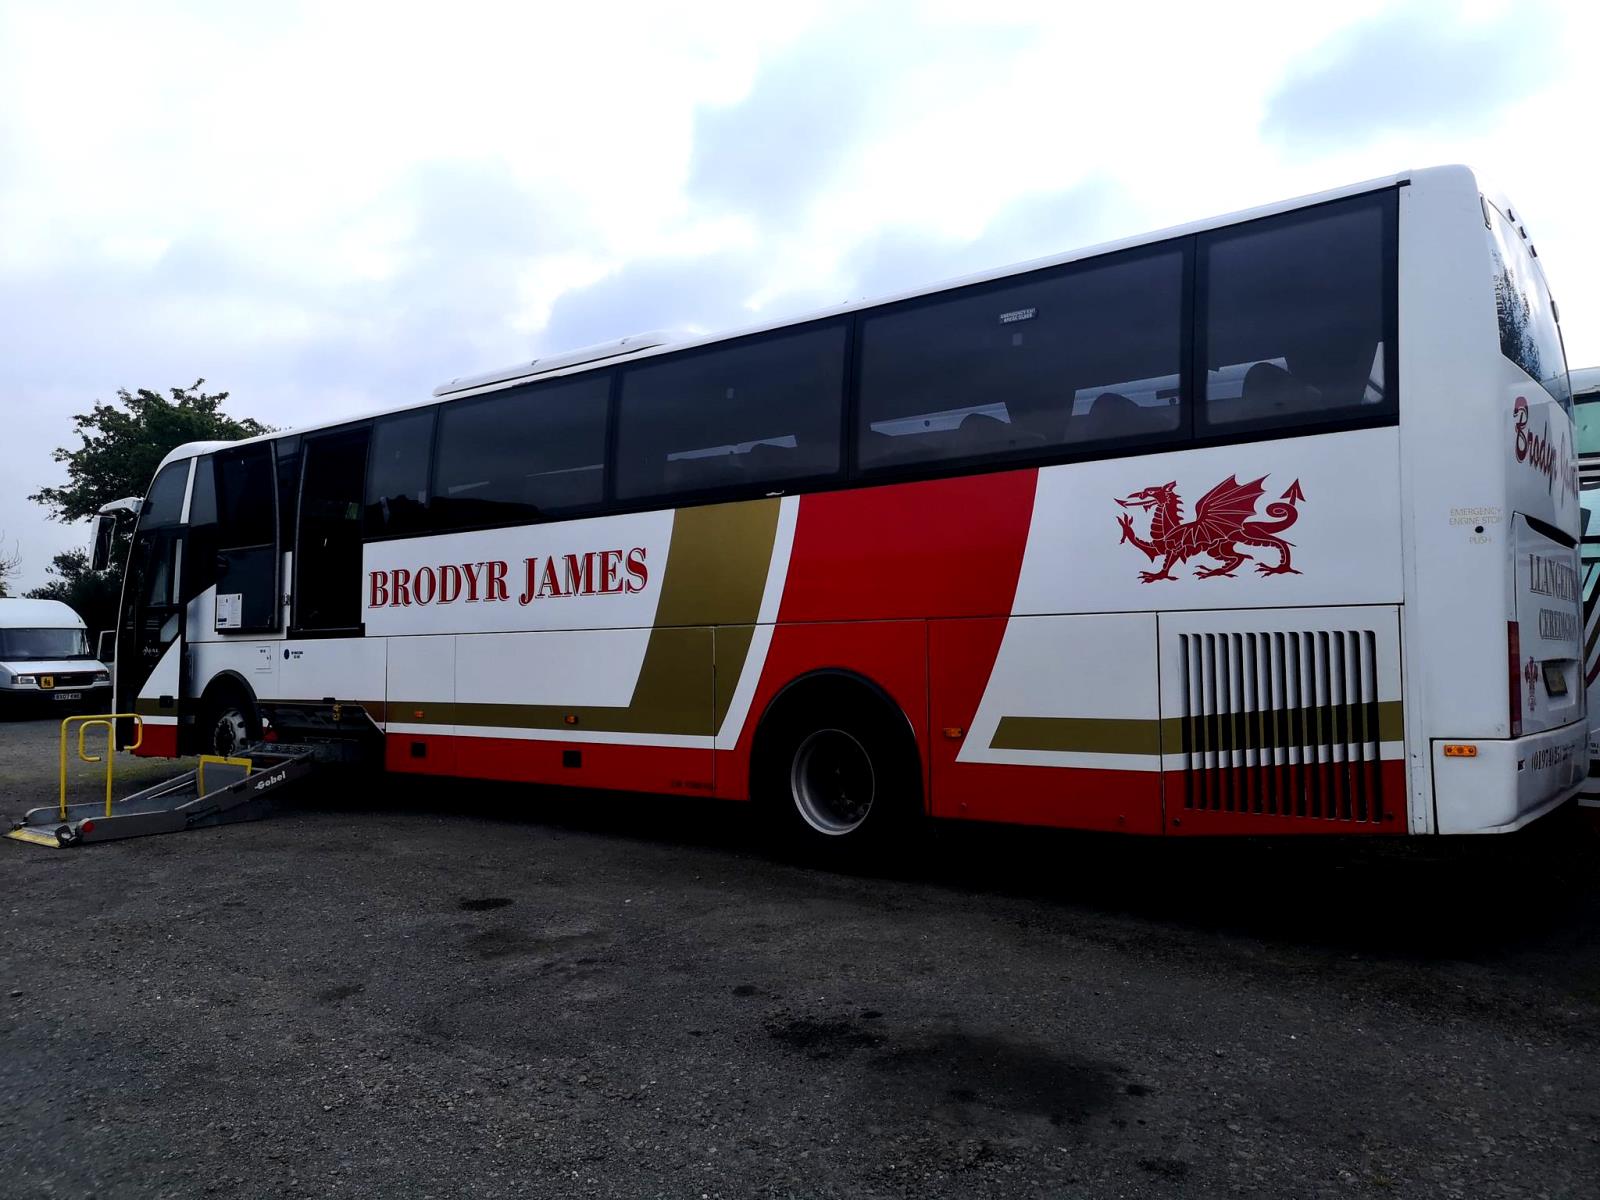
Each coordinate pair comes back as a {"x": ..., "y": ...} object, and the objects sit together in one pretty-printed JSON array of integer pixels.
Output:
[{"x": 39, "y": 645}]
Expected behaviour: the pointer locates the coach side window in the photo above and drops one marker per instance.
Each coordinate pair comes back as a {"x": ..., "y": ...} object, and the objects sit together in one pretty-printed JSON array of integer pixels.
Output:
[
  {"x": 397, "y": 474},
  {"x": 1529, "y": 335},
  {"x": 200, "y": 551},
  {"x": 288, "y": 454},
  {"x": 522, "y": 455},
  {"x": 1079, "y": 356},
  {"x": 1297, "y": 316},
  {"x": 327, "y": 558},
  {"x": 758, "y": 413},
  {"x": 246, "y": 546},
  {"x": 163, "y": 503}
]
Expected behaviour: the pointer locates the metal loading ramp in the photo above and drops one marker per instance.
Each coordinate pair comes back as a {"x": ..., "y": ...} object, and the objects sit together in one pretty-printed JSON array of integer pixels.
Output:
[{"x": 218, "y": 791}]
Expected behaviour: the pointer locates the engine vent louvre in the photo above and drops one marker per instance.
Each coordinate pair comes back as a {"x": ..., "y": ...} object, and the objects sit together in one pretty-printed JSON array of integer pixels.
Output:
[{"x": 1282, "y": 723}]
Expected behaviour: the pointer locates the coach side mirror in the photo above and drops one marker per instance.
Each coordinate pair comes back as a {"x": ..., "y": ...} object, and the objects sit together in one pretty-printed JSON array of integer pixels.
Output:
[
  {"x": 105, "y": 526},
  {"x": 106, "y": 650}
]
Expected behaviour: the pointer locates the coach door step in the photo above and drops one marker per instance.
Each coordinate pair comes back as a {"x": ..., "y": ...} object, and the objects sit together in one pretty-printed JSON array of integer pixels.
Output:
[{"x": 217, "y": 792}]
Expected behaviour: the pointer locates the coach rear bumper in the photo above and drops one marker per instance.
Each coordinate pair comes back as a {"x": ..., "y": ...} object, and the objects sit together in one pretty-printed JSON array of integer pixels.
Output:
[{"x": 1499, "y": 786}]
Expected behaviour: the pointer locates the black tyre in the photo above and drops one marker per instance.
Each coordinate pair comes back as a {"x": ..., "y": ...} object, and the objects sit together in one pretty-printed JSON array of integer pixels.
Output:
[
  {"x": 230, "y": 723},
  {"x": 838, "y": 780}
]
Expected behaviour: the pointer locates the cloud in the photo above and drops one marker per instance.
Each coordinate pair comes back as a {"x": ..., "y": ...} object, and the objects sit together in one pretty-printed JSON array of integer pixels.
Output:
[
  {"x": 1424, "y": 70},
  {"x": 772, "y": 152},
  {"x": 1036, "y": 226},
  {"x": 431, "y": 279},
  {"x": 443, "y": 275},
  {"x": 714, "y": 291},
  {"x": 818, "y": 103},
  {"x": 359, "y": 205},
  {"x": 703, "y": 292}
]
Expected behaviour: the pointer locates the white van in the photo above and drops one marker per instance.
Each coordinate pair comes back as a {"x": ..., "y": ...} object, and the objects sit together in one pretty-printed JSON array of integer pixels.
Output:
[{"x": 45, "y": 660}]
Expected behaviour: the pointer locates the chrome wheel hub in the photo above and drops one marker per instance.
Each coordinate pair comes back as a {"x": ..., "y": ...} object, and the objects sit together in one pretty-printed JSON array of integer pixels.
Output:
[{"x": 832, "y": 782}]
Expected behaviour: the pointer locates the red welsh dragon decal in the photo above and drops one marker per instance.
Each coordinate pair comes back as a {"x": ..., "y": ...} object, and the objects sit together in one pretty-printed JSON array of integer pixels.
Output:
[{"x": 1222, "y": 524}]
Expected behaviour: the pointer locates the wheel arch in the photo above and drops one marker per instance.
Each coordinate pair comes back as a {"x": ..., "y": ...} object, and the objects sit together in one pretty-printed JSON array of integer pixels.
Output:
[{"x": 225, "y": 681}]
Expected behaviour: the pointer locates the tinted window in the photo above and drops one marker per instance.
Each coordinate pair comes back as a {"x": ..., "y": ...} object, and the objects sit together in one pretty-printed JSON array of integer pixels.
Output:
[
  {"x": 246, "y": 553},
  {"x": 163, "y": 504},
  {"x": 200, "y": 553},
  {"x": 397, "y": 474},
  {"x": 203, "y": 498},
  {"x": 288, "y": 455},
  {"x": 1079, "y": 356},
  {"x": 1529, "y": 335},
  {"x": 246, "y": 497},
  {"x": 521, "y": 455},
  {"x": 1297, "y": 315},
  {"x": 754, "y": 413},
  {"x": 328, "y": 552}
]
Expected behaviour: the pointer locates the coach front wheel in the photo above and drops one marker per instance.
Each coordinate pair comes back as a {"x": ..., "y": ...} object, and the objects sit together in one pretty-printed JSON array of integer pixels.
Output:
[
  {"x": 230, "y": 732},
  {"x": 230, "y": 723}
]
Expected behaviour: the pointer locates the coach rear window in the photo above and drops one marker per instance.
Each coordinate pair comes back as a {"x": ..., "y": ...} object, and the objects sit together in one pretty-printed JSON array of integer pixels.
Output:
[{"x": 1297, "y": 317}]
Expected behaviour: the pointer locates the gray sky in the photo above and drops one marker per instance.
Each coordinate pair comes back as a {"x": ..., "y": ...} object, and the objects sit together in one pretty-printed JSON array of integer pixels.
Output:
[{"x": 331, "y": 208}]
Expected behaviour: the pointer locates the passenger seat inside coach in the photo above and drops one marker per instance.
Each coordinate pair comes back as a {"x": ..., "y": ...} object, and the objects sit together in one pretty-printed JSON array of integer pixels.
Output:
[
  {"x": 1270, "y": 391},
  {"x": 1113, "y": 415}
]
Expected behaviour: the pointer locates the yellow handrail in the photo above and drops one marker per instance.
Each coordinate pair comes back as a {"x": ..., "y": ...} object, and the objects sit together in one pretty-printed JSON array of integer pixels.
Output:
[
  {"x": 84, "y": 723},
  {"x": 84, "y": 728},
  {"x": 111, "y": 738}
]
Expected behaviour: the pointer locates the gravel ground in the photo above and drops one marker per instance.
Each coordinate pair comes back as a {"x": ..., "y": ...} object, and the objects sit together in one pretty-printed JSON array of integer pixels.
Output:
[{"x": 452, "y": 990}]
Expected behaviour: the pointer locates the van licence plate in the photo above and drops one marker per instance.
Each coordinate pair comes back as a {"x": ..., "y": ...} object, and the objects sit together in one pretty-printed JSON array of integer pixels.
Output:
[{"x": 67, "y": 696}]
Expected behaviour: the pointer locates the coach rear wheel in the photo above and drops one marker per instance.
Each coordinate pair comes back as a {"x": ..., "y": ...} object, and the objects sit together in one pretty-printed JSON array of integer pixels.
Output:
[
  {"x": 832, "y": 783},
  {"x": 837, "y": 779}
]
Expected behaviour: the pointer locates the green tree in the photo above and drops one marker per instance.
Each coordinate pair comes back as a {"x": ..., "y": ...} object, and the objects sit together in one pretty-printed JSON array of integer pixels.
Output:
[
  {"x": 93, "y": 595},
  {"x": 8, "y": 564},
  {"x": 123, "y": 442}
]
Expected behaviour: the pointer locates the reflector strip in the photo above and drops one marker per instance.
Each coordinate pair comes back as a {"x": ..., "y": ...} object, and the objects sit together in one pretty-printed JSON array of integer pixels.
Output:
[{"x": 34, "y": 838}]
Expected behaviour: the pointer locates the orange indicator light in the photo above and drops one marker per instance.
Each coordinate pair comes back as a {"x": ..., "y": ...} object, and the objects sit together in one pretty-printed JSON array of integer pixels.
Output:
[{"x": 1455, "y": 750}]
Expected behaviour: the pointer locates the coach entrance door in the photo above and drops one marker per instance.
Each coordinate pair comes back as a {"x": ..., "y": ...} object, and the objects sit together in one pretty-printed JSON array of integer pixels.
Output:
[{"x": 328, "y": 549}]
